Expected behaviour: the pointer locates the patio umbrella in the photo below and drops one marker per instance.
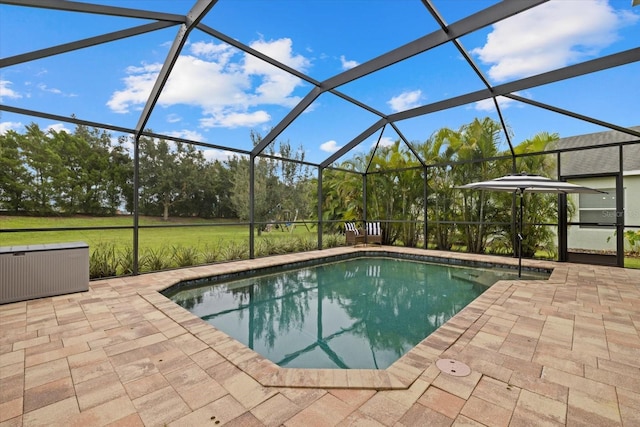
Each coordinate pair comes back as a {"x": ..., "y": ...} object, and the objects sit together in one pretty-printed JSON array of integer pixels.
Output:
[{"x": 519, "y": 184}]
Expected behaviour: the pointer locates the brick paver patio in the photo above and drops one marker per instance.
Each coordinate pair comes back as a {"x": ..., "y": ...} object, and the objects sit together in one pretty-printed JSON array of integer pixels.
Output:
[{"x": 560, "y": 352}]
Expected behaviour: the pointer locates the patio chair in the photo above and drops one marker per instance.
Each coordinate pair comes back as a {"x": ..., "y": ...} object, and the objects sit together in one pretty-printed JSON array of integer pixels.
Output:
[
  {"x": 353, "y": 235},
  {"x": 373, "y": 232}
]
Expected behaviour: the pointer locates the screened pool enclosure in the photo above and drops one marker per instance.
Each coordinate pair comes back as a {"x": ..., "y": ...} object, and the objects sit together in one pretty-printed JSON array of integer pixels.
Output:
[{"x": 195, "y": 132}]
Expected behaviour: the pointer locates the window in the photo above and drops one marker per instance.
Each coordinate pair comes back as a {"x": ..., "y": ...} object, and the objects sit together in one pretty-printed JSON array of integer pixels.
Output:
[{"x": 597, "y": 209}]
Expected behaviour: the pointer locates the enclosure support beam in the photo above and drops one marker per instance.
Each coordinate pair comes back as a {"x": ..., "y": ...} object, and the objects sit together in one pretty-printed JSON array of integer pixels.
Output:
[
  {"x": 620, "y": 209},
  {"x": 515, "y": 241},
  {"x": 84, "y": 43},
  {"x": 194, "y": 16},
  {"x": 98, "y": 9},
  {"x": 252, "y": 176},
  {"x": 354, "y": 142},
  {"x": 320, "y": 197},
  {"x": 289, "y": 118},
  {"x": 458, "y": 29},
  {"x": 506, "y": 134},
  {"x": 574, "y": 115},
  {"x": 408, "y": 144},
  {"x": 588, "y": 67},
  {"x": 364, "y": 201},
  {"x": 467, "y": 57},
  {"x": 562, "y": 217},
  {"x": 425, "y": 212},
  {"x": 136, "y": 195}
]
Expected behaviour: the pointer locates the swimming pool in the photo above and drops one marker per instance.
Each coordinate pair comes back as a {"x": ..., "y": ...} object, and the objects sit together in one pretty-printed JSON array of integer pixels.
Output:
[{"x": 360, "y": 313}]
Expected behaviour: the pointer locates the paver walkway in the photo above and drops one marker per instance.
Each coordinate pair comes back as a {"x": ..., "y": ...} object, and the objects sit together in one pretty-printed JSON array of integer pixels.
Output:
[{"x": 560, "y": 352}]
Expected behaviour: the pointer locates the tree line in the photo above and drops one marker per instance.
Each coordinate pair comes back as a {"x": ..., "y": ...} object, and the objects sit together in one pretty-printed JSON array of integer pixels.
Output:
[
  {"x": 46, "y": 172},
  {"x": 473, "y": 221},
  {"x": 89, "y": 172}
]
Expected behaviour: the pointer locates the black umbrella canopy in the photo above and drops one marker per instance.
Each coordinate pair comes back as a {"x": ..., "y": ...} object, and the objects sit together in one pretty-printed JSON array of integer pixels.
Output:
[{"x": 523, "y": 182}]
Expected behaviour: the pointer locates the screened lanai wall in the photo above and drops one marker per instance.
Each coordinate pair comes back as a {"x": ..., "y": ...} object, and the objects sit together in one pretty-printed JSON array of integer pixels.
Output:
[{"x": 253, "y": 178}]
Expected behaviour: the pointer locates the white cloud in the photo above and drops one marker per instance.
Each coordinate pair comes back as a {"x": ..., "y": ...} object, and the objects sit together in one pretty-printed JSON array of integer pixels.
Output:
[
  {"x": 234, "y": 120},
  {"x": 220, "y": 53},
  {"x": 330, "y": 146},
  {"x": 550, "y": 36},
  {"x": 58, "y": 127},
  {"x": 173, "y": 118},
  {"x": 489, "y": 105},
  {"x": 138, "y": 83},
  {"x": 277, "y": 85},
  {"x": 7, "y": 126},
  {"x": 6, "y": 91},
  {"x": 127, "y": 143},
  {"x": 220, "y": 155},
  {"x": 280, "y": 50},
  {"x": 347, "y": 64},
  {"x": 385, "y": 141},
  {"x": 191, "y": 135},
  {"x": 226, "y": 84},
  {"x": 405, "y": 100},
  {"x": 43, "y": 87}
]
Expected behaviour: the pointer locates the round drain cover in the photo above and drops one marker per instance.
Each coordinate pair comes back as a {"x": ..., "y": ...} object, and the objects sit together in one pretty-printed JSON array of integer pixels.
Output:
[{"x": 453, "y": 367}]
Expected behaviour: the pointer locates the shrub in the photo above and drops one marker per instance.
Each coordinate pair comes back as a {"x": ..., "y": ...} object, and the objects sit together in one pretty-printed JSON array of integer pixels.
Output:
[
  {"x": 633, "y": 242},
  {"x": 499, "y": 244},
  {"x": 306, "y": 243},
  {"x": 269, "y": 246},
  {"x": 332, "y": 240},
  {"x": 184, "y": 256},
  {"x": 289, "y": 245},
  {"x": 125, "y": 260},
  {"x": 211, "y": 253},
  {"x": 235, "y": 250},
  {"x": 154, "y": 259}
]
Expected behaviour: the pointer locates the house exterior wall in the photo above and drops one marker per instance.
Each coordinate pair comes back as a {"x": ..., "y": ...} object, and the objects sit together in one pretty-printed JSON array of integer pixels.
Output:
[
  {"x": 603, "y": 239},
  {"x": 631, "y": 182}
]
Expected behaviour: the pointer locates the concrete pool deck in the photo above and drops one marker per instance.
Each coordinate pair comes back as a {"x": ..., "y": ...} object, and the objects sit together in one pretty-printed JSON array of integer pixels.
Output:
[{"x": 560, "y": 352}]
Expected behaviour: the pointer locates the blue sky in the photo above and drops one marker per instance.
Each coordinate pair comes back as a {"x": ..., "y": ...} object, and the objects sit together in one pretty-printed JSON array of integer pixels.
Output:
[{"x": 218, "y": 94}]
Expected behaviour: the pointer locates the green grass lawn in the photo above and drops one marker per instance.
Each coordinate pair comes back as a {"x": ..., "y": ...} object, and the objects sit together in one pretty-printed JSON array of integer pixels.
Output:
[
  {"x": 179, "y": 242},
  {"x": 199, "y": 235},
  {"x": 630, "y": 262}
]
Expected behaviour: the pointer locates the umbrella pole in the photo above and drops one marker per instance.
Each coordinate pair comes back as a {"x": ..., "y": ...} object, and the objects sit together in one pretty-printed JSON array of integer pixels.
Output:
[{"x": 520, "y": 237}]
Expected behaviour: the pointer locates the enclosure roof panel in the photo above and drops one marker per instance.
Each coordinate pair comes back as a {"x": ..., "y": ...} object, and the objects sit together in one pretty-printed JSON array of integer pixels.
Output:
[{"x": 215, "y": 71}]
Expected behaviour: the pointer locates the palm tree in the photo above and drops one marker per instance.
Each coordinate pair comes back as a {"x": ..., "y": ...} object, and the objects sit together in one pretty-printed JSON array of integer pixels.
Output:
[
  {"x": 478, "y": 141},
  {"x": 396, "y": 193},
  {"x": 546, "y": 206},
  {"x": 439, "y": 150},
  {"x": 342, "y": 193}
]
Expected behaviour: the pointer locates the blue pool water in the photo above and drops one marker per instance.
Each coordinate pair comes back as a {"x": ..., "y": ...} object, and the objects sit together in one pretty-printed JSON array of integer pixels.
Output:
[{"x": 358, "y": 313}]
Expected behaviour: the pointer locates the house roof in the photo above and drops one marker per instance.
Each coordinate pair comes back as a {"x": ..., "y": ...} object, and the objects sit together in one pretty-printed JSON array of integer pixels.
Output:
[{"x": 602, "y": 158}]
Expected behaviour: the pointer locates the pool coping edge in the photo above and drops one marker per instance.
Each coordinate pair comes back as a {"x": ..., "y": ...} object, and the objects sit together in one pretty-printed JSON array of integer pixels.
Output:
[{"x": 417, "y": 362}]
